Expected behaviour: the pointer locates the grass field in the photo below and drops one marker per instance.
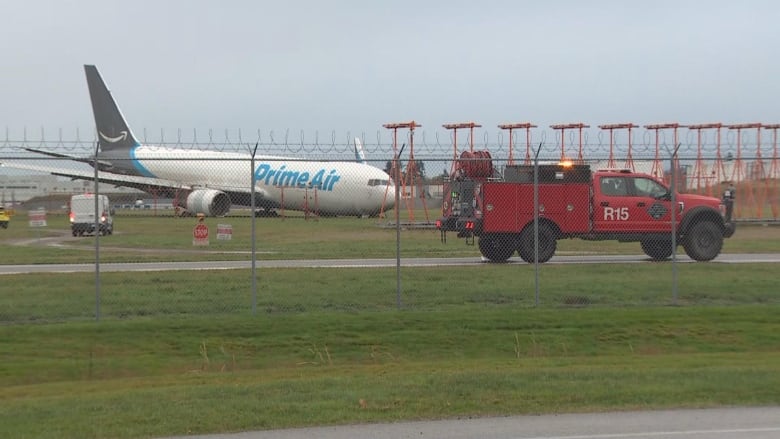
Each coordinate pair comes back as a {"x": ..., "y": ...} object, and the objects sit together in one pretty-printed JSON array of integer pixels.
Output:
[
  {"x": 58, "y": 297},
  {"x": 180, "y": 353},
  {"x": 152, "y": 239},
  {"x": 146, "y": 378}
]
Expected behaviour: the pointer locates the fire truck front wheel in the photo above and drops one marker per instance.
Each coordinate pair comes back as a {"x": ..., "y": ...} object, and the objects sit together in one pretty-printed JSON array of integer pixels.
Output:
[
  {"x": 496, "y": 248},
  {"x": 659, "y": 249},
  {"x": 703, "y": 241}
]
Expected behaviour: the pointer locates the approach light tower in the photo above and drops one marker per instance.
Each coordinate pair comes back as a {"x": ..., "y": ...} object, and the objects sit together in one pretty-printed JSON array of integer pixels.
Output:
[
  {"x": 773, "y": 175},
  {"x": 455, "y": 127},
  {"x": 619, "y": 126},
  {"x": 738, "y": 173},
  {"x": 513, "y": 126},
  {"x": 714, "y": 175},
  {"x": 658, "y": 168},
  {"x": 570, "y": 126},
  {"x": 402, "y": 181}
]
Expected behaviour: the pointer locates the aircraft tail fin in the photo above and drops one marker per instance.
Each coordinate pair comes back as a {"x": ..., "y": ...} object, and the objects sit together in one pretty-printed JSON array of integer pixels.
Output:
[
  {"x": 113, "y": 132},
  {"x": 360, "y": 155}
]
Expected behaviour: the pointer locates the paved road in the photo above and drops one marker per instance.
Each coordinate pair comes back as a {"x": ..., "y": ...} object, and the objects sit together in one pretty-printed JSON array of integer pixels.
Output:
[
  {"x": 731, "y": 258},
  {"x": 721, "y": 423}
]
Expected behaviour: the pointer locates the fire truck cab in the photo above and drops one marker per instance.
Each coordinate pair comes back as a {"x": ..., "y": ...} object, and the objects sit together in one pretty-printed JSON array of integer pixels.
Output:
[{"x": 576, "y": 202}]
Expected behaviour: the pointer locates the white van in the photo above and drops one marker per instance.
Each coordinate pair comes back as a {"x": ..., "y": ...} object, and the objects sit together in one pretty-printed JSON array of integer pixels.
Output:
[{"x": 82, "y": 214}]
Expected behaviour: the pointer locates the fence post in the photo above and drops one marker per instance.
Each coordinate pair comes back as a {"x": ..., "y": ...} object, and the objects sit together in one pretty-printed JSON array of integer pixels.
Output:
[
  {"x": 253, "y": 230},
  {"x": 536, "y": 225},
  {"x": 97, "y": 235},
  {"x": 673, "y": 190}
]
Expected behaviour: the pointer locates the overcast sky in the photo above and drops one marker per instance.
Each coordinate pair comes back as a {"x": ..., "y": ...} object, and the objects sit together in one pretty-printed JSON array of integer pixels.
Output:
[{"x": 351, "y": 66}]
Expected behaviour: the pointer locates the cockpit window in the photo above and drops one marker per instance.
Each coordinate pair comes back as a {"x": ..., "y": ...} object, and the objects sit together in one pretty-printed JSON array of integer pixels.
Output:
[{"x": 377, "y": 182}]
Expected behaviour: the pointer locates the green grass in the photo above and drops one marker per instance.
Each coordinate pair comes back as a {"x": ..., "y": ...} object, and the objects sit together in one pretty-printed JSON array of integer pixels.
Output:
[
  {"x": 52, "y": 297},
  {"x": 157, "y": 377},
  {"x": 182, "y": 352},
  {"x": 168, "y": 238},
  {"x": 151, "y": 239}
]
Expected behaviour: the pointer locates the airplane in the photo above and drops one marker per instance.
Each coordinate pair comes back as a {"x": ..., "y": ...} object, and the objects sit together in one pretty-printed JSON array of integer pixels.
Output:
[
  {"x": 360, "y": 155},
  {"x": 213, "y": 181}
]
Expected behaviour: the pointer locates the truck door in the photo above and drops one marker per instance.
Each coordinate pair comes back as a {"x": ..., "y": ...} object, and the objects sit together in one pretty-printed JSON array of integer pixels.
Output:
[
  {"x": 650, "y": 207},
  {"x": 612, "y": 204}
]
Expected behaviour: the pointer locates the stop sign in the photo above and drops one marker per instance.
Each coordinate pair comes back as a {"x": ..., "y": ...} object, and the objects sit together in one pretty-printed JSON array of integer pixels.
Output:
[{"x": 200, "y": 232}]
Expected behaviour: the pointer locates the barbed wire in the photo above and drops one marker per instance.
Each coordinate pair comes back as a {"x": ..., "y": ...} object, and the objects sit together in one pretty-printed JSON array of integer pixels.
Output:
[{"x": 438, "y": 144}]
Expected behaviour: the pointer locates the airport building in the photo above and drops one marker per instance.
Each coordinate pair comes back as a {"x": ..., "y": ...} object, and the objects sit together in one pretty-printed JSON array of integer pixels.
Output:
[{"x": 16, "y": 188}]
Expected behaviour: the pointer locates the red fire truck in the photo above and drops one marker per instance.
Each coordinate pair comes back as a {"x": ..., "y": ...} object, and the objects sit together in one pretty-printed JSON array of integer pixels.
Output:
[{"x": 576, "y": 202}]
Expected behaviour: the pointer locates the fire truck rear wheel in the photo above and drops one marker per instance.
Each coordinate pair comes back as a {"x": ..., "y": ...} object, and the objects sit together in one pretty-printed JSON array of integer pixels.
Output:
[
  {"x": 547, "y": 244},
  {"x": 658, "y": 249},
  {"x": 703, "y": 241},
  {"x": 497, "y": 248}
]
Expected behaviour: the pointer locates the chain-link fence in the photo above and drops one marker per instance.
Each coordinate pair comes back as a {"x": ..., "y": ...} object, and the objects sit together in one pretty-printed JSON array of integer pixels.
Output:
[{"x": 173, "y": 231}]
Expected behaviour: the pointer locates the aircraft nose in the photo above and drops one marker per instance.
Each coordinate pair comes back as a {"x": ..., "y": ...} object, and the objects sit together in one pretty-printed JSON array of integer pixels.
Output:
[{"x": 390, "y": 197}]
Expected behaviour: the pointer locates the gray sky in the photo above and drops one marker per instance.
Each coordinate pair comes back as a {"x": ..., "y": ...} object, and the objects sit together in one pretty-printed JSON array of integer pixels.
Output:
[{"x": 346, "y": 65}]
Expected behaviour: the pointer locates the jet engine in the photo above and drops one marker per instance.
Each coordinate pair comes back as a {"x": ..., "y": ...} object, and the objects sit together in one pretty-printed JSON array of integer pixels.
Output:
[{"x": 209, "y": 202}]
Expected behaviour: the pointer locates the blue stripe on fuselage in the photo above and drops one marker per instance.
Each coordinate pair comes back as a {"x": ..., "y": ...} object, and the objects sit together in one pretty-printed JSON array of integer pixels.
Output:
[{"x": 139, "y": 168}]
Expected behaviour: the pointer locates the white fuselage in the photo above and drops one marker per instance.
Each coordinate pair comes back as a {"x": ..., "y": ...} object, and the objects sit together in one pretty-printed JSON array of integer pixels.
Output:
[{"x": 326, "y": 187}]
